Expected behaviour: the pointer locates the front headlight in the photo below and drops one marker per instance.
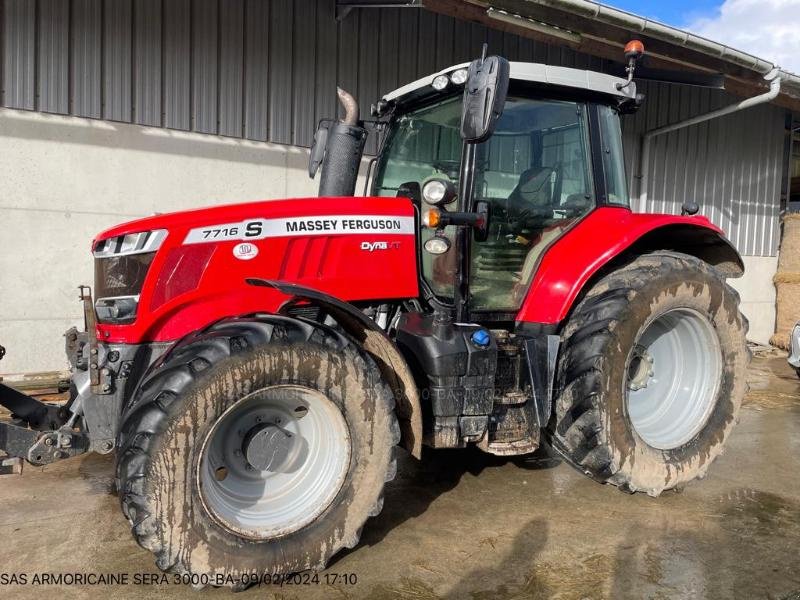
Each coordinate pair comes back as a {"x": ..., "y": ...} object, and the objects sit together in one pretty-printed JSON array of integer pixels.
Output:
[
  {"x": 117, "y": 311},
  {"x": 121, "y": 265}
]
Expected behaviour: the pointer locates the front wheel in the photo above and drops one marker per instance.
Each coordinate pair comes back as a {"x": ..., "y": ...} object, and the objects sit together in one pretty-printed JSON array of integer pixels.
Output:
[
  {"x": 258, "y": 448},
  {"x": 652, "y": 374}
]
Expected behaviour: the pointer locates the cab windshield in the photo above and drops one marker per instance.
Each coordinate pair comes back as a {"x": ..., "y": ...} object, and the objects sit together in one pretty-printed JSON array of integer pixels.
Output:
[{"x": 535, "y": 172}]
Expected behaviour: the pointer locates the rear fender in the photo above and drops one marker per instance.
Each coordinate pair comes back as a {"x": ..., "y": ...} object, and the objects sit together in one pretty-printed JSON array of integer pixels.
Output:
[
  {"x": 609, "y": 237},
  {"x": 377, "y": 344}
]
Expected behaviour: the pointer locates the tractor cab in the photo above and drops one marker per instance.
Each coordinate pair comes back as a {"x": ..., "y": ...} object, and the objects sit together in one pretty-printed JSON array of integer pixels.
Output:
[{"x": 555, "y": 153}]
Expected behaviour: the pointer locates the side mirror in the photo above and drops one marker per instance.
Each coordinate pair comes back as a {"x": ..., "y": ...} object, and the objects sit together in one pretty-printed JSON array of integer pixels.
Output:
[
  {"x": 481, "y": 230},
  {"x": 484, "y": 98},
  {"x": 690, "y": 207},
  {"x": 318, "y": 148}
]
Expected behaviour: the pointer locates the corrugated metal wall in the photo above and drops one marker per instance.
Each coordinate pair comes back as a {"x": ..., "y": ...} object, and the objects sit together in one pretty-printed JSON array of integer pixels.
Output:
[
  {"x": 259, "y": 69},
  {"x": 267, "y": 70},
  {"x": 731, "y": 167}
]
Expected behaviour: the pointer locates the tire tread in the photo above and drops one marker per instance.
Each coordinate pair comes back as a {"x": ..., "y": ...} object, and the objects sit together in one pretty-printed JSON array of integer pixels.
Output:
[
  {"x": 148, "y": 411},
  {"x": 575, "y": 430}
]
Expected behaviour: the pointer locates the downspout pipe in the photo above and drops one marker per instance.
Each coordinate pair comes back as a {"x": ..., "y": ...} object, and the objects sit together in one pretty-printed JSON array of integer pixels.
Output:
[{"x": 774, "y": 78}]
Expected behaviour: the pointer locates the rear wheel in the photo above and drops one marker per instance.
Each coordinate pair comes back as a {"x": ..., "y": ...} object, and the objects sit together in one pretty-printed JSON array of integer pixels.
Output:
[
  {"x": 258, "y": 447},
  {"x": 651, "y": 375}
]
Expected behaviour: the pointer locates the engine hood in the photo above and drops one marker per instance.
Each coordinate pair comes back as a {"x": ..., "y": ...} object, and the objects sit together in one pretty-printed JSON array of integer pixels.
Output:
[
  {"x": 351, "y": 248},
  {"x": 295, "y": 208}
]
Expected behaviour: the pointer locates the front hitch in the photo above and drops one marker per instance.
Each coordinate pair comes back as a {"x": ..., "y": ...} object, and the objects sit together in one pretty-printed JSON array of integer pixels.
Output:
[
  {"x": 39, "y": 432},
  {"x": 34, "y": 413}
]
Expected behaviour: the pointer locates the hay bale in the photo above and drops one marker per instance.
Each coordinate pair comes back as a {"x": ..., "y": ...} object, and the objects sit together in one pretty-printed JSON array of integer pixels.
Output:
[
  {"x": 789, "y": 258},
  {"x": 788, "y": 313},
  {"x": 787, "y": 282}
]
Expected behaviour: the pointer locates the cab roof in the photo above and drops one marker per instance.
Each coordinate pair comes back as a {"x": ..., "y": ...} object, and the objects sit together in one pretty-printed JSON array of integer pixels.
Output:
[{"x": 562, "y": 77}]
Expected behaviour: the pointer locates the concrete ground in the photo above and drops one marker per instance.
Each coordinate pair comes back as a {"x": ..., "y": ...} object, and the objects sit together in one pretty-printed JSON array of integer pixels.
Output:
[{"x": 465, "y": 525}]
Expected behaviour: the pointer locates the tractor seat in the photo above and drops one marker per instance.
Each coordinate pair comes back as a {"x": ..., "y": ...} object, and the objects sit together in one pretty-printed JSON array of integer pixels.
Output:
[{"x": 532, "y": 188}]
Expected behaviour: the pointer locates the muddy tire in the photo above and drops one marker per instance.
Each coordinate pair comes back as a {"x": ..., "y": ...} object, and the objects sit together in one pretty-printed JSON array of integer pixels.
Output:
[
  {"x": 640, "y": 338},
  {"x": 297, "y": 400}
]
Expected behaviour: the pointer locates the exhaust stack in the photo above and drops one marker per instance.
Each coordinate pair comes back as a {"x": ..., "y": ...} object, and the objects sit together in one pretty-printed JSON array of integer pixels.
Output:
[{"x": 344, "y": 148}]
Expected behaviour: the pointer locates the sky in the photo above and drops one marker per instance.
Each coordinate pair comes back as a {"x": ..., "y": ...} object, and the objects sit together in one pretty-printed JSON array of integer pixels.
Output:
[{"x": 769, "y": 29}]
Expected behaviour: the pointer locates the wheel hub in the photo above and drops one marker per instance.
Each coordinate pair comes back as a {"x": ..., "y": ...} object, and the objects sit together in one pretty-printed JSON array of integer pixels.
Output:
[
  {"x": 274, "y": 461},
  {"x": 641, "y": 369},
  {"x": 267, "y": 446}
]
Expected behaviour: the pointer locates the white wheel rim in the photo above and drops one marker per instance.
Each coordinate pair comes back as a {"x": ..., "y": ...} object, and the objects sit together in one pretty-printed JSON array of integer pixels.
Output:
[
  {"x": 308, "y": 455},
  {"x": 673, "y": 376}
]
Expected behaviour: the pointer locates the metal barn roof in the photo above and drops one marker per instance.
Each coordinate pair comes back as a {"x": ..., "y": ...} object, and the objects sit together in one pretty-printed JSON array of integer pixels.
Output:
[{"x": 601, "y": 30}]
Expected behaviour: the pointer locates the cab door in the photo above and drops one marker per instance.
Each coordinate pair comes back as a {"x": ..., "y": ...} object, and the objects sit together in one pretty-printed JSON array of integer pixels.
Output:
[{"x": 536, "y": 173}]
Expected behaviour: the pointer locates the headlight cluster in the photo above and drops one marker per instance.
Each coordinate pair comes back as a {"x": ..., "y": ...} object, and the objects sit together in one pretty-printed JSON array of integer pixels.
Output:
[
  {"x": 121, "y": 265},
  {"x": 458, "y": 77}
]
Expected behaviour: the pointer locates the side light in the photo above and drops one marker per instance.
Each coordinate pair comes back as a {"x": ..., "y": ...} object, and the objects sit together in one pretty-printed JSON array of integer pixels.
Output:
[
  {"x": 431, "y": 218},
  {"x": 438, "y": 192},
  {"x": 433, "y": 191},
  {"x": 437, "y": 245}
]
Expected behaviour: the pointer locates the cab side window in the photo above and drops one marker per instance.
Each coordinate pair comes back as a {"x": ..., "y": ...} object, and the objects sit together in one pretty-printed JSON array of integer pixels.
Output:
[{"x": 535, "y": 172}]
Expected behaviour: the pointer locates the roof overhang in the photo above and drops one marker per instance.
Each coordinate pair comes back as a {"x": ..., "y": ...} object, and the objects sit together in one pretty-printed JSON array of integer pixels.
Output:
[{"x": 602, "y": 31}]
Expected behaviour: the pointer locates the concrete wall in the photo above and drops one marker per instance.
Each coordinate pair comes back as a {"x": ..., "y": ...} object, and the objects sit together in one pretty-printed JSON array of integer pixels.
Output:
[
  {"x": 758, "y": 296},
  {"x": 65, "y": 179}
]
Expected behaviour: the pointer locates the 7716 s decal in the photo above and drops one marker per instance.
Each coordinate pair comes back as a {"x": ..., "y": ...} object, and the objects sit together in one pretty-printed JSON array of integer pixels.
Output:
[{"x": 257, "y": 229}]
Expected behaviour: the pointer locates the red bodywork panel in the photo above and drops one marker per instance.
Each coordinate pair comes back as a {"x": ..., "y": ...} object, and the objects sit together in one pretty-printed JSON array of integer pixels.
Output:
[
  {"x": 582, "y": 251},
  {"x": 351, "y": 248},
  {"x": 197, "y": 278}
]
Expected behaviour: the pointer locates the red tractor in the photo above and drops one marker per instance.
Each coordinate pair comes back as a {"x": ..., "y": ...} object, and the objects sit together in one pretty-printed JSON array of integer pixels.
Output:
[{"x": 255, "y": 366}]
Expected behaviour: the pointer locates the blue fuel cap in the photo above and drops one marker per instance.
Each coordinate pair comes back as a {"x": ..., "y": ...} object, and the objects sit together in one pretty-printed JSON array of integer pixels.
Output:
[{"x": 481, "y": 338}]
